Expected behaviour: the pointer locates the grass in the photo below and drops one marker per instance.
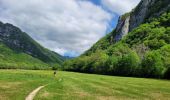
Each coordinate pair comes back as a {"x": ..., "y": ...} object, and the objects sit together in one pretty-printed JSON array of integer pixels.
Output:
[{"x": 16, "y": 85}]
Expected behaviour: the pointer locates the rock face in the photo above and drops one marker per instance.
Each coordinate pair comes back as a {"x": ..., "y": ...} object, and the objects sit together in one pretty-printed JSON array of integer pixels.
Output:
[
  {"x": 8, "y": 33},
  {"x": 19, "y": 41},
  {"x": 122, "y": 28},
  {"x": 145, "y": 10},
  {"x": 138, "y": 16}
]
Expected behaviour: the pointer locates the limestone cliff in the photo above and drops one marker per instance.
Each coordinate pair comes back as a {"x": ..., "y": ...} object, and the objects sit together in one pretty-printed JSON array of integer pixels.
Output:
[
  {"x": 122, "y": 27},
  {"x": 143, "y": 12}
]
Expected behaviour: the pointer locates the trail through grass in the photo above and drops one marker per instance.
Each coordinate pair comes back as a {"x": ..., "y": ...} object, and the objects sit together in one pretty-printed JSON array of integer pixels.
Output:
[{"x": 17, "y": 84}]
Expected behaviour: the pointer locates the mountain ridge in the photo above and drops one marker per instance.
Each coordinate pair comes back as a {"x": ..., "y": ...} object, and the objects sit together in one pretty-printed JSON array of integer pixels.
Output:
[{"x": 20, "y": 41}]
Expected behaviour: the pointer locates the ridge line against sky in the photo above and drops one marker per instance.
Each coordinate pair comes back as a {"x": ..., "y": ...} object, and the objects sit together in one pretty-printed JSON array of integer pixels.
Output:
[{"x": 68, "y": 28}]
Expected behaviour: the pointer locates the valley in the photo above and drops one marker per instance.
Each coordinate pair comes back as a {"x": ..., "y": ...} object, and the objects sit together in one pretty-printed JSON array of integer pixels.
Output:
[{"x": 85, "y": 50}]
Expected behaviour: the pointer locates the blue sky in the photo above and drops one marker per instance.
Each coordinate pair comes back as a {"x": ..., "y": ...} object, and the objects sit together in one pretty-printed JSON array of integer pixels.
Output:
[
  {"x": 113, "y": 22},
  {"x": 66, "y": 27},
  {"x": 97, "y": 2}
]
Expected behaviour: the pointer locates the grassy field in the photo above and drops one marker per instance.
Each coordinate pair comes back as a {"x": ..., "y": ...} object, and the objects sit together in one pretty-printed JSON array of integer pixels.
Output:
[{"x": 17, "y": 84}]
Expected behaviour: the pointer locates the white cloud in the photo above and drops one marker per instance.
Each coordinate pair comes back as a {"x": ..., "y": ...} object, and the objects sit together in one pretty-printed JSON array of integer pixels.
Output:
[
  {"x": 60, "y": 25},
  {"x": 120, "y": 6},
  {"x": 63, "y": 26}
]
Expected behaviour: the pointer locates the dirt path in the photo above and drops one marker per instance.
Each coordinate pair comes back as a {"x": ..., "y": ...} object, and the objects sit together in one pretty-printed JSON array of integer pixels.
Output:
[{"x": 33, "y": 93}]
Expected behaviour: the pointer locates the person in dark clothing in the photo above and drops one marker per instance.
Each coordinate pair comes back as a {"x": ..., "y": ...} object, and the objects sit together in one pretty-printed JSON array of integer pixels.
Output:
[{"x": 55, "y": 72}]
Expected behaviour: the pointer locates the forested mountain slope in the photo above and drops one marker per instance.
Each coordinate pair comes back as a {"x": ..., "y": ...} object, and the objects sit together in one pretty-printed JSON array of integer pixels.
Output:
[{"x": 139, "y": 46}]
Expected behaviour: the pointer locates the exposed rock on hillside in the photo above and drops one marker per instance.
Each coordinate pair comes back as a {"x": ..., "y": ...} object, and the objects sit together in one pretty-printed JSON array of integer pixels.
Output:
[{"x": 146, "y": 10}]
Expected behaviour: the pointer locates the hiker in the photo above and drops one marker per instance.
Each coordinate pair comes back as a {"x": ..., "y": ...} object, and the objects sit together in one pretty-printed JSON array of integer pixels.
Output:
[{"x": 55, "y": 72}]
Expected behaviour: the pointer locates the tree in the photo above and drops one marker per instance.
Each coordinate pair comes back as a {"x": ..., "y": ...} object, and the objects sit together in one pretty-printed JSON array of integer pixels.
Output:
[
  {"x": 127, "y": 64},
  {"x": 152, "y": 65},
  {"x": 100, "y": 64},
  {"x": 124, "y": 61}
]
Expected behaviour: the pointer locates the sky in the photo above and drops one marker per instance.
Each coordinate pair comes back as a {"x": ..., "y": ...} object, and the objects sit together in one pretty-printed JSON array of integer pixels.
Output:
[{"x": 68, "y": 27}]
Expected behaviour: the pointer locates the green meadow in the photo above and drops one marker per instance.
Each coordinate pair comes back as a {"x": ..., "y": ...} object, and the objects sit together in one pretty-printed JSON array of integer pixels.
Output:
[{"x": 17, "y": 84}]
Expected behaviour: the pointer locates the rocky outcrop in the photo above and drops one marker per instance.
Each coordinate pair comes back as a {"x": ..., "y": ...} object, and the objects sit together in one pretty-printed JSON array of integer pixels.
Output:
[
  {"x": 122, "y": 27},
  {"x": 146, "y": 10},
  {"x": 139, "y": 14},
  {"x": 14, "y": 38}
]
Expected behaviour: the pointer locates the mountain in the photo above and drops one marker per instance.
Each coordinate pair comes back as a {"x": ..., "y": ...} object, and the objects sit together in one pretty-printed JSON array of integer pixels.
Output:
[
  {"x": 139, "y": 46},
  {"x": 10, "y": 59},
  {"x": 146, "y": 10},
  {"x": 19, "y": 43}
]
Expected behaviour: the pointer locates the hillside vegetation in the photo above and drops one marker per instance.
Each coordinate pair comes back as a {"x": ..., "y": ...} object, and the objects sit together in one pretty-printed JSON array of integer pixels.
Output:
[
  {"x": 144, "y": 52},
  {"x": 19, "y": 50},
  {"x": 10, "y": 59}
]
